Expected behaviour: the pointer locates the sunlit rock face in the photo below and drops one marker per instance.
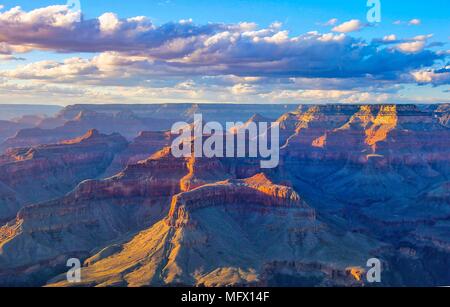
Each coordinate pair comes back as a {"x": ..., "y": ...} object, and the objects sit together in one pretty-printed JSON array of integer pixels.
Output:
[
  {"x": 94, "y": 213},
  {"x": 230, "y": 233},
  {"x": 354, "y": 182}
]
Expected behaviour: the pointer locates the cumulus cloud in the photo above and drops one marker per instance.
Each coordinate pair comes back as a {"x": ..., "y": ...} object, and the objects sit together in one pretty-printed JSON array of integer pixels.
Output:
[
  {"x": 214, "y": 49},
  {"x": 221, "y": 61},
  {"x": 10, "y": 49},
  {"x": 414, "y": 45},
  {"x": 411, "y": 47},
  {"x": 262, "y": 53},
  {"x": 434, "y": 77},
  {"x": 390, "y": 38},
  {"x": 414, "y": 22},
  {"x": 109, "y": 23},
  {"x": 349, "y": 26}
]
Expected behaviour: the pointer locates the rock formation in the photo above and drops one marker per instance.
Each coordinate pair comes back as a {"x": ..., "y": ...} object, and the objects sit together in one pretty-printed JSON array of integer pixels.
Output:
[
  {"x": 44, "y": 172},
  {"x": 354, "y": 182}
]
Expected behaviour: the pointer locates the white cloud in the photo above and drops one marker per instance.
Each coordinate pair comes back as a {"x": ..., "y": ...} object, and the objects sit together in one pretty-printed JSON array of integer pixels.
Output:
[
  {"x": 432, "y": 77},
  {"x": 222, "y": 62},
  {"x": 331, "y": 22},
  {"x": 414, "y": 22},
  {"x": 390, "y": 38},
  {"x": 310, "y": 95},
  {"x": 326, "y": 96},
  {"x": 411, "y": 47},
  {"x": 8, "y": 57},
  {"x": 58, "y": 16},
  {"x": 349, "y": 26},
  {"x": 422, "y": 37},
  {"x": 243, "y": 89},
  {"x": 416, "y": 44},
  {"x": 109, "y": 22}
]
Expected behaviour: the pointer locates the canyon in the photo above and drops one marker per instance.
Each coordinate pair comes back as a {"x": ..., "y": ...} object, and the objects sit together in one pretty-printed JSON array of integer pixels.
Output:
[{"x": 354, "y": 182}]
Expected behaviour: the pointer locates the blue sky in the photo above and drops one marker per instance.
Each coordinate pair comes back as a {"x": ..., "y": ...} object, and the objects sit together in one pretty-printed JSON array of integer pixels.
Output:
[
  {"x": 297, "y": 15},
  {"x": 404, "y": 58}
]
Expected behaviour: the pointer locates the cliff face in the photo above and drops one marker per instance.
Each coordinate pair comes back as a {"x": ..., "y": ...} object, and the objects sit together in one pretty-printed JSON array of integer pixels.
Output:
[
  {"x": 37, "y": 242},
  {"x": 48, "y": 171},
  {"x": 255, "y": 190},
  {"x": 128, "y": 120},
  {"x": 359, "y": 132},
  {"x": 373, "y": 170},
  {"x": 353, "y": 182},
  {"x": 371, "y": 155},
  {"x": 228, "y": 233},
  {"x": 9, "y": 129},
  {"x": 125, "y": 123},
  {"x": 143, "y": 146}
]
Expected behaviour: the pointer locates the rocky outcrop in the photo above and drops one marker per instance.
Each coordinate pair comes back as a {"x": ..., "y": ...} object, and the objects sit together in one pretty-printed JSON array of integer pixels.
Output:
[
  {"x": 9, "y": 129},
  {"x": 146, "y": 144},
  {"x": 353, "y": 182},
  {"x": 48, "y": 171},
  {"x": 226, "y": 234},
  {"x": 94, "y": 213},
  {"x": 257, "y": 189},
  {"x": 125, "y": 123}
]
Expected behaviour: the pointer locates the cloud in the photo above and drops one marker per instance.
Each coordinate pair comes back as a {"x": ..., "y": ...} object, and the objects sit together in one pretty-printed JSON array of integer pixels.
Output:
[
  {"x": 243, "y": 89},
  {"x": 261, "y": 53},
  {"x": 414, "y": 45},
  {"x": 8, "y": 57},
  {"x": 61, "y": 29},
  {"x": 331, "y": 22},
  {"x": 411, "y": 47},
  {"x": 109, "y": 23},
  {"x": 324, "y": 96},
  {"x": 390, "y": 38},
  {"x": 10, "y": 49},
  {"x": 414, "y": 22},
  {"x": 349, "y": 26},
  {"x": 434, "y": 77},
  {"x": 223, "y": 62}
]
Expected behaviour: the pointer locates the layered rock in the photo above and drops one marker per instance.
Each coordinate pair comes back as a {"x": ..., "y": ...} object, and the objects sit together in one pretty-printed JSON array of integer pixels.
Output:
[
  {"x": 125, "y": 122},
  {"x": 43, "y": 235},
  {"x": 171, "y": 113},
  {"x": 128, "y": 120},
  {"x": 227, "y": 234},
  {"x": 44, "y": 172},
  {"x": 372, "y": 173},
  {"x": 143, "y": 146},
  {"x": 254, "y": 120},
  {"x": 372, "y": 155},
  {"x": 9, "y": 129}
]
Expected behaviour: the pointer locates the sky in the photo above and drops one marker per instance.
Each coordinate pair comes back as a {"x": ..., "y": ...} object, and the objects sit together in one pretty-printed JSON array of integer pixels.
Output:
[{"x": 229, "y": 51}]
